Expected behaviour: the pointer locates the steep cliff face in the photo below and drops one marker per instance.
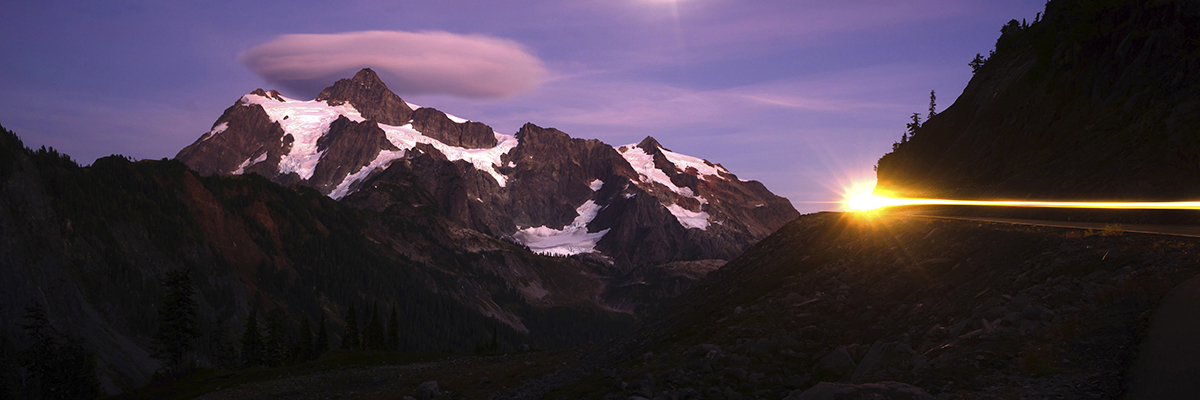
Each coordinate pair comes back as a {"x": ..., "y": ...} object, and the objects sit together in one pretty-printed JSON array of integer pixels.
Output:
[
  {"x": 370, "y": 96},
  {"x": 630, "y": 206},
  {"x": 1097, "y": 100}
]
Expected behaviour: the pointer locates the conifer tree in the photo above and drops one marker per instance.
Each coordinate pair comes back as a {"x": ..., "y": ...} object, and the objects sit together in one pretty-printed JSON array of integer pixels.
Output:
[
  {"x": 393, "y": 333},
  {"x": 57, "y": 364},
  {"x": 977, "y": 63},
  {"x": 495, "y": 338},
  {"x": 350, "y": 337},
  {"x": 913, "y": 126},
  {"x": 224, "y": 354},
  {"x": 276, "y": 345},
  {"x": 305, "y": 341},
  {"x": 322, "y": 344},
  {"x": 932, "y": 105},
  {"x": 376, "y": 339},
  {"x": 252, "y": 342},
  {"x": 173, "y": 341}
]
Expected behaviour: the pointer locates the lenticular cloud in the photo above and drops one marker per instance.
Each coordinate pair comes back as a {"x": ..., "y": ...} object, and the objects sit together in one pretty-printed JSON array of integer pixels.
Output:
[{"x": 473, "y": 66}]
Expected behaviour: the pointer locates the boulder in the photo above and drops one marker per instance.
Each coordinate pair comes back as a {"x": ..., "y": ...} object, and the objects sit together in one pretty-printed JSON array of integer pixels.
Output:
[
  {"x": 428, "y": 390},
  {"x": 837, "y": 363}
]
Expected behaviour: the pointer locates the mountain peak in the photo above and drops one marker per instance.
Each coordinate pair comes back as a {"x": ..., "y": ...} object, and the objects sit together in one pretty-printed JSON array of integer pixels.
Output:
[
  {"x": 367, "y": 77},
  {"x": 650, "y": 145},
  {"x": 370, "y": 96}
]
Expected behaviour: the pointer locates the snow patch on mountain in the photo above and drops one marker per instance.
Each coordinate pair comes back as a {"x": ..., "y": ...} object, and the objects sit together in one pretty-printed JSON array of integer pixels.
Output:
[
  {"x": 306, "y": 121},
  {"x": 689, "y": 219},
  {"x": 380, "y": 162},
  {"x": 683, "y": 162},
  {"x": 242, "y": 168},
  {"x": 215, "y": 130},
  {"x": 406, "y": 138},
  {"x": 486, "y": 160},
  {"x": 648, "y": 173},
  {"x": 571, "y": 239},
  {"x": 596, "y": 185},
  {"x": 643, "y": 164}
]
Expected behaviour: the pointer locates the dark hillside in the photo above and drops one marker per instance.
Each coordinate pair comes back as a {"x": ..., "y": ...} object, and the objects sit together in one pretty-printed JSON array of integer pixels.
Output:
[
  {"x": 956, "y": 308},
  {"x": 849, "y": 306},
  {"x": 91, "y": 243},
  {"x": 1096, "y": 100}
]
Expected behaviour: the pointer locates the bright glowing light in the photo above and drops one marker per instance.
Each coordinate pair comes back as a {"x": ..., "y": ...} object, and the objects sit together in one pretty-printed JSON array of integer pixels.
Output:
[
  {"x": 871, "y": 202},
  {"x": 865, "y": 202},
  {"x": 859, "y": 198}
]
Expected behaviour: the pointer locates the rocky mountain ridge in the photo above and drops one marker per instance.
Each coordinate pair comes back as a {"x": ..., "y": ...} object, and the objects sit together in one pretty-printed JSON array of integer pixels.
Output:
[{"x": 635, "y": 206}]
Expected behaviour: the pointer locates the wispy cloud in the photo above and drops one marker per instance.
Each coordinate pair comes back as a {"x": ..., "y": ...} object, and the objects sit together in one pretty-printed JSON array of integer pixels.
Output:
[
  {"x": 472, "y": 66},
  {"x": 598, "y": 100}
]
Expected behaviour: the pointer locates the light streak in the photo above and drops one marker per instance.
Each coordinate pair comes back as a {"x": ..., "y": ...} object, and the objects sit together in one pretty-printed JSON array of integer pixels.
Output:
[{"x": 868, "y": 202}]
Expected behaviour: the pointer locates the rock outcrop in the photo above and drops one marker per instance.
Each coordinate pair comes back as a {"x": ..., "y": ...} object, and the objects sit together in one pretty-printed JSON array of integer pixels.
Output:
[
  {"x": 467, "y": 134},
  {"x": 370, "y": 96}
]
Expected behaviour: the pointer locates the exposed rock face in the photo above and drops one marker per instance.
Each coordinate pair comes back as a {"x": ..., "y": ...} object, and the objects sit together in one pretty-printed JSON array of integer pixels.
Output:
[
  {"x": 354, "y": 144},
  {"x": 634, "y": 206},
  {"x": 437, "y": 125},
  {"x": 1093, "y": 101},
  {"x": 243, "y": 132},
  {"x": 367, "y": 93}
]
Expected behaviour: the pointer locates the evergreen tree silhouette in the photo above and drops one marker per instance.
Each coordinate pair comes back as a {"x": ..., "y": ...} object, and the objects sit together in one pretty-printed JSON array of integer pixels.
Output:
[
  {"x": 57, "y": 365},
  {"x": 376, "y": 339},
  {"x": 252, "y": 342},
  {"x": 977, "y": 63},
  {"x": 350, "y": 337},
  {"x": 305, "y": 341},
  {"x": 277, "y": 334},
  {"x": 393, "y": 333},
  {"x": 932, "y": 105},
  {"x": 322, "y": 344},
  {"x": 174, "y": 340},
  {"x": 224, "y": 353}
]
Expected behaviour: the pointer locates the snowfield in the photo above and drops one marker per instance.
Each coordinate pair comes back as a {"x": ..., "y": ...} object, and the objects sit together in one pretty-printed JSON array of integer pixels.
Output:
[
  {"x": 650, "y": 174},
  {"x": 308, "y": 121},
  {"x": 571, "y": 239}
]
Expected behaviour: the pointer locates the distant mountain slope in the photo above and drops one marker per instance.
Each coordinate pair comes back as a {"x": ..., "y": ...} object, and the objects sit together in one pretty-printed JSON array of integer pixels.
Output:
[
  {"x": 634, "y": 206},
  {"x": 1096, "y": 100}
]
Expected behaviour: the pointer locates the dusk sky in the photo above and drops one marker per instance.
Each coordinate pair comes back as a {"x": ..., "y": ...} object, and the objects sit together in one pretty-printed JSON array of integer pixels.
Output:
[{"x": 804, "y": 96}]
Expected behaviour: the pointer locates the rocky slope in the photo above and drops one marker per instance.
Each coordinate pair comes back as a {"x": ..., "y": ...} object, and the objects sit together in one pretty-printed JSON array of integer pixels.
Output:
[
  {"x": 631, "y": 207},
  {"x": 1096, "y": 100},
  {"x": 955, "y": 309},
  {"x": 850, "y": 306}
]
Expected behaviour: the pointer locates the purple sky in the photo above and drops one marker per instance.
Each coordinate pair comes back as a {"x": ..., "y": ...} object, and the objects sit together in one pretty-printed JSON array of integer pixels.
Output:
[{"x": 801, "y": 95}]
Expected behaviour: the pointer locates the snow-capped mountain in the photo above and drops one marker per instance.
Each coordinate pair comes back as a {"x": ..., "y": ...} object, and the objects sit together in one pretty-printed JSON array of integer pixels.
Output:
[{"x": 635, "y": 205}]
